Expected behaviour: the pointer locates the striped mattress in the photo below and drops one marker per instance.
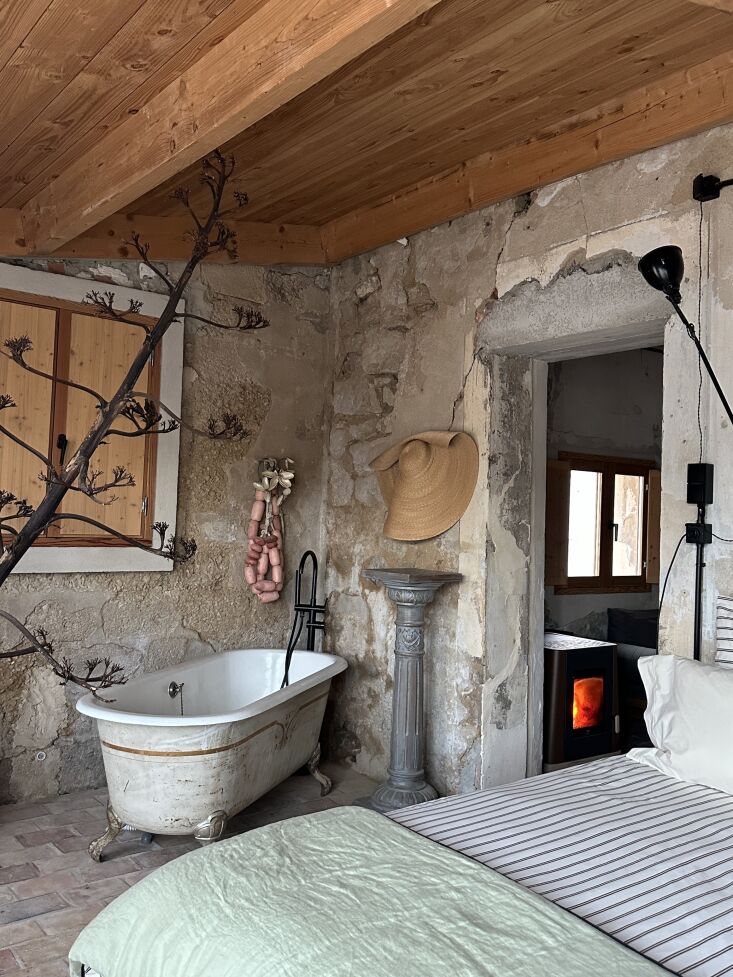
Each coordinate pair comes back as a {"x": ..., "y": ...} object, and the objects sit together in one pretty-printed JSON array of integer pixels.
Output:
[{"x": 644, "y": 857}]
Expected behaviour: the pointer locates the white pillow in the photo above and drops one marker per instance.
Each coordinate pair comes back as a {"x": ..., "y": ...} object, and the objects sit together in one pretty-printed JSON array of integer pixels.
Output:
[
  {"x": 689, "y": 717},
  {"x": 724, "y": 632}
]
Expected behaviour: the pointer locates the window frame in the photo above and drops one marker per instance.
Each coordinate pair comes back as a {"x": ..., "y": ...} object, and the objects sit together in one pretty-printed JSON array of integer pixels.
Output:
[
  {"x": 610, "y": 466},
  {"x": 68, "y": 555}
]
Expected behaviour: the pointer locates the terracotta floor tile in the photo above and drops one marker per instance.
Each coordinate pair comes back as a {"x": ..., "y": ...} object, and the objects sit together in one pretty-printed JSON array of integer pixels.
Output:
[
  {"x": 51, "y": 968},
  {"x": 12, "y": 933},
  {"x": 68, "y": 920},
  {"x": 70, "y": 802},
  {"x": 152, "y": 859},
  {"x": 59, "y": 862},
  {"x": 47, "y": 948},
  {"x": 21, "y": 812},
  {"x": 106, "y": 870},
  {"x": 93, "y": 815},
  {"x": 46, "y": 836},
  {"x": 95, "y": 893},
  {"x": 8, "y": 962},
  {"x": 72, "y": 843},
  {"x": 30, "y": 908},
  {"x": 17, "y": 873},
  {"x": 21, "y": 855},
  {"x": 134, "y": 877},
  {"x": 55, "y": 882}
]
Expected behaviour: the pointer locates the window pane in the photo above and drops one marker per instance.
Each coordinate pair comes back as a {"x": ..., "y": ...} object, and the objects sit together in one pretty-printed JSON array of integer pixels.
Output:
[
  {"x": 628, "y": 516},
  {"x": 584, "y": 523}
]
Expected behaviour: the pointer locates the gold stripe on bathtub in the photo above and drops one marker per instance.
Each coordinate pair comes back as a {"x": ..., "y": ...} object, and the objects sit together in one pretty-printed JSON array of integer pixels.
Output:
[{"x": 213, "y": 749}]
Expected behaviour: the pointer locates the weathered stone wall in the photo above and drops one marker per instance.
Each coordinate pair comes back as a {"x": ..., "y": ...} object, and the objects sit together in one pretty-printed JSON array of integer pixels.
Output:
[
  {"x": 274, "y": 380},
  {"x": 404, "y": 320},
  {"x": 426, "y": 331}
]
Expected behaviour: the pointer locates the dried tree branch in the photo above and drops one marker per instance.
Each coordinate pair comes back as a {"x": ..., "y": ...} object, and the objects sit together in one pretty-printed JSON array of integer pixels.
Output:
[
  {"x": 103, "y": 302},
  {"x": 28, "y": 447},
  {"x": 209, "y": 235},
  {"x": 146, "y": 419},
  {"x": 176, "y": 548},
  {"x": 228, "y": 427},
  {"x": 143, "y": 249},
  {"x": 246, "y": 320},
  {"x": 38, "y": 643},
  {"x": 21, "y": 345}
]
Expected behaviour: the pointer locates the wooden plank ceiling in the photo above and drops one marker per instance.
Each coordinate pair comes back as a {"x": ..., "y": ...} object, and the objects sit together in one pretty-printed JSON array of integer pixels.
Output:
[{"x": 352, "y": 124}]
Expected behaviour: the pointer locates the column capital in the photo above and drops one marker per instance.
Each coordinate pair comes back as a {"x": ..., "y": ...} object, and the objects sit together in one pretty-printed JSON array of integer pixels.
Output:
[{"x": 411, "y": 585}]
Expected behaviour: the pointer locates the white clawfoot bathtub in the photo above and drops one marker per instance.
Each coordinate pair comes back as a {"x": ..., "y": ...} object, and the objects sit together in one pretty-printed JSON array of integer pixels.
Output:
[{"x": 184, "y": 762}]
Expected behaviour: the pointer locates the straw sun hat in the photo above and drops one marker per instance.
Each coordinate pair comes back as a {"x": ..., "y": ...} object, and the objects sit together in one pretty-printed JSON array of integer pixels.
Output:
[{"x": 427, "y": 482}]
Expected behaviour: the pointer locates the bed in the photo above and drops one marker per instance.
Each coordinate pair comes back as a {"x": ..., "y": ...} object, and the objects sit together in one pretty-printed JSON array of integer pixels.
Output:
[
  {"x": 644, "y": 857},
  {"x": 622, "y": 867}
]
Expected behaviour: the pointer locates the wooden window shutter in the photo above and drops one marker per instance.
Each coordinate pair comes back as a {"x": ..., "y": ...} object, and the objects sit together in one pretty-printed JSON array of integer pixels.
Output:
[
  {"x": 30, "y": 419},
  {"x": 557, "y": 512},
  {"x": 653, "y": 525},
  {"x": 100, "y": 352}
]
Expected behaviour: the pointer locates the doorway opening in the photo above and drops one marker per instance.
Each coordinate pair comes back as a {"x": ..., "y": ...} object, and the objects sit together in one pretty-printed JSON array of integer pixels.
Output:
[{"x": 602, "y": 534}]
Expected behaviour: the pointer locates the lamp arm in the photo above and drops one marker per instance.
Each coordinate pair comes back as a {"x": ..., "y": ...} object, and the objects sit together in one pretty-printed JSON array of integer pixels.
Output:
[{"x": 706, "y": 362}]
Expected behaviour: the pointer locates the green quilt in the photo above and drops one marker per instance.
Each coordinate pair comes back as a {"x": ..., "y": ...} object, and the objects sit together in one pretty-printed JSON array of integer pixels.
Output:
[{"x": 344, "y": 893}]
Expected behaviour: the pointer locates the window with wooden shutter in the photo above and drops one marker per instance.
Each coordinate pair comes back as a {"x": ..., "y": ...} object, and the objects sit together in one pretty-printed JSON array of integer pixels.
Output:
[
  {"x": 71, "y": 341},
  {"x": 602, "y": 524},
  {"x": 71, "y": 344}
]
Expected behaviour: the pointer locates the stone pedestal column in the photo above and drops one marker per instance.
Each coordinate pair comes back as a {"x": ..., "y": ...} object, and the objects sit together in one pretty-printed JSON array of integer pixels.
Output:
[{"x": 412, "y": 591}]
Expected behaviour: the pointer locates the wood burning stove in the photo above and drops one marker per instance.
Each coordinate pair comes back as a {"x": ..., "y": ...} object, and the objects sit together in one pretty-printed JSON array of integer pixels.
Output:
[{"x": 581, "y": 720}]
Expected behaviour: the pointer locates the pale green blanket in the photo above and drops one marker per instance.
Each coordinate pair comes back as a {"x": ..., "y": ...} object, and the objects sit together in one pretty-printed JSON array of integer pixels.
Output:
[{"x": 345, "y": 893}]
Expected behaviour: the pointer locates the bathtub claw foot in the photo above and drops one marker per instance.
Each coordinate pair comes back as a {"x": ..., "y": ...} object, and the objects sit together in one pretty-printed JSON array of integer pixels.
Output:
[
  {"x": 314, "y": 771},
  {"x": 114, "y": 826},
  {"x": 211, "y": 829}
]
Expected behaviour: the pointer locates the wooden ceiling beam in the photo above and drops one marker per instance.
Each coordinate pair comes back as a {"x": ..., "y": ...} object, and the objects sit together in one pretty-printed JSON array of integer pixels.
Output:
[
  {"x": 683, "y": 104},
  {"x": 257, "y": 243},
  {"x": 724, "y": 5},
  {"x": 284, "y": 48}
]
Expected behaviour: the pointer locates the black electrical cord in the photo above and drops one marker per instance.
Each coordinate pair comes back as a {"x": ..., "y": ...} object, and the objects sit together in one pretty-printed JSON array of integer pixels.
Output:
[
  {"x": 722, "y": 539},
  {"x": 699, "y": 329},
  {"x": 680, "y": 541}
]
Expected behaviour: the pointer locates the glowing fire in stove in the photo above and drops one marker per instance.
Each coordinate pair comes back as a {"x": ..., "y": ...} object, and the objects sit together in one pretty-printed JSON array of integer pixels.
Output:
[{"x": 587, "y": 702}]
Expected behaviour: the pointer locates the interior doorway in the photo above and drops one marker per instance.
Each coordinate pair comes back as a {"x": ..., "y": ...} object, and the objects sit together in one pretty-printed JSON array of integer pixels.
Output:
[{"x": 602, "y": 522}]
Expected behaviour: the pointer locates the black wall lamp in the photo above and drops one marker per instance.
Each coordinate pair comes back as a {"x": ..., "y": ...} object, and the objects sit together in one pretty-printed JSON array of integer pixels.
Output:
[{"x": 663, "y": 268}]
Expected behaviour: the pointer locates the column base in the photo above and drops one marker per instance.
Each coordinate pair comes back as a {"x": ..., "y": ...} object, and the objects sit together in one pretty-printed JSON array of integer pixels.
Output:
[{"x": 389, "y": 797}]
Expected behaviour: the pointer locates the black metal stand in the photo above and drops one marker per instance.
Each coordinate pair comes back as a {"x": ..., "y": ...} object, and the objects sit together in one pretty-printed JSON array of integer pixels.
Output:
[
  {"x": 705, "y": 361},
  {"x": 700, "y": 533}
]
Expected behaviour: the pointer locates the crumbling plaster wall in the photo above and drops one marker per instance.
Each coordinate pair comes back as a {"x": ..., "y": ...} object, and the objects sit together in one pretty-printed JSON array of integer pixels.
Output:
[
  {"x": 274, "y": 380},
  {"x": 453, "y": 327}
]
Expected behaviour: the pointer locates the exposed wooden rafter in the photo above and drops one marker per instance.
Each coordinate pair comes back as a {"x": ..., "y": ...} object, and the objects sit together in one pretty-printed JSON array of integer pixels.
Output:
[
  {"x": 283, "y": 49},
  {"x": 257, "y": 243},
  {"x": 682, "y": 105}
]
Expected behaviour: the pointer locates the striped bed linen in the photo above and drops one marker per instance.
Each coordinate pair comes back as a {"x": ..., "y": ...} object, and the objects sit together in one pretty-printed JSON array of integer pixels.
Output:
[
  {"x": 644, "y": 857},
  {"x": 724, "y": 631}
]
